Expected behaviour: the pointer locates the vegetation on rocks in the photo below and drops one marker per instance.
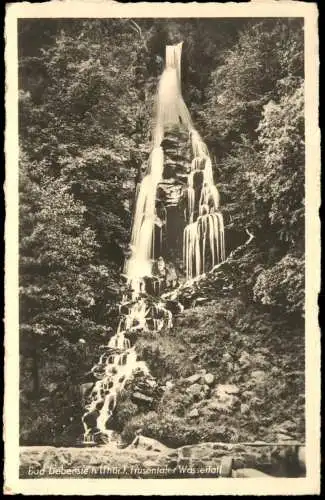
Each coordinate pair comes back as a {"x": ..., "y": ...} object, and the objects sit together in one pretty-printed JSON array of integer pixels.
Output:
[{"x": 228, "y": 377}]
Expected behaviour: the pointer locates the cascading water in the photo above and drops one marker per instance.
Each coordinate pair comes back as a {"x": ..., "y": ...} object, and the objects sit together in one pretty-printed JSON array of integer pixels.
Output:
[
  {"x": 203, "y": 245},
  {"x": 204, "y": 240}
]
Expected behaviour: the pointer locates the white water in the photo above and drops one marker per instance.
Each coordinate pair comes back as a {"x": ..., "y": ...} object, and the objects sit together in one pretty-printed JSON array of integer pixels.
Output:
[
  {"x": 140, "y": 263},
  {"x": 203, "y": 244},
  {"x": 204, "y": 241}
]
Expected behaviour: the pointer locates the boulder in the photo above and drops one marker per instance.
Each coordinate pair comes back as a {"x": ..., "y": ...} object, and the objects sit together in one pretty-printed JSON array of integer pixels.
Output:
[
  {"x": 248, "y": 395},
  {"x": 52, "y": 387},
  {"x": 283, "y": 437},
  {"x": 224, "y": 398},
  {"x": 209, "y": 378},
  {"x": 142, "y": 398},
  {"x": 226, "y": 357},
  {"x": 286, "y": 426},
  {"x": 244, "y": 359},
  {"x": 194, "y": 413},
  {"x": 194, "y": 389},
  {"x": 206, "y": 390},
  {"x": 228, "y": 388},
  {"x": 254, "y": 473},
  {"x": 258, "y": 376},
  {"x": 147, "y": 443},
  {"x": 244, "y": 408},
  {"x": 194, "y": 378}
]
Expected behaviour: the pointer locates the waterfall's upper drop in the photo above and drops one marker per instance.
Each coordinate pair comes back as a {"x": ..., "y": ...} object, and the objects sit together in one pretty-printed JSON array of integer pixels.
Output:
[
  {"x": 203, "y": 238},
  {"x": 171, "y": 109}
]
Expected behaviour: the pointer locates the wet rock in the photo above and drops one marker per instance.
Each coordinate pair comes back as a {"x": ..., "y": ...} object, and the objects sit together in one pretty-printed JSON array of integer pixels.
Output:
[
  {"x": 169, "y": 192},
  {"x": 85, "y": 390},
  {"x": 254, "y": 473},
  {"x": 148, "y": 464},
  {"x": 302, "y": 458},
  {"x": 209, "y": 378}
]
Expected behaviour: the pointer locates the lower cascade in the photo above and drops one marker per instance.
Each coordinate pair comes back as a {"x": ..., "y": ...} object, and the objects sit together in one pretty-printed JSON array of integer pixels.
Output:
[{"x": 142, "y": 308}]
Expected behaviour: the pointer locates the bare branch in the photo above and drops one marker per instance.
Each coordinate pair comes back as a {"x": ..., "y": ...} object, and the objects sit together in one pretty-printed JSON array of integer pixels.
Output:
[{"x": 139, "y": 31}]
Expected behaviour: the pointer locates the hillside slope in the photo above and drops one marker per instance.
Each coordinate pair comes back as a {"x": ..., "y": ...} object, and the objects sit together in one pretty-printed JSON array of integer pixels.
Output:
[{"x": 230, "y": 372}]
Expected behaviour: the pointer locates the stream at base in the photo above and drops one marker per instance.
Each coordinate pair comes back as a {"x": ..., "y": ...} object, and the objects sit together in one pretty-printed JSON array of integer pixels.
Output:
[{"x": 119, "y": 361}]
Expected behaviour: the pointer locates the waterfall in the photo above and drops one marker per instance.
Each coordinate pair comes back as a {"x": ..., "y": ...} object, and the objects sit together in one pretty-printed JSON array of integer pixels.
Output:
[
  {"x": 171, "y": 110},
  {"x": 203, "y": 247},
  {"x": 140, "y": 262},
  {"x": 204, "y": 240}
]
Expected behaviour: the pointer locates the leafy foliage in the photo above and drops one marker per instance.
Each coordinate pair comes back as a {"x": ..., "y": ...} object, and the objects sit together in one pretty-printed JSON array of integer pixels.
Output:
[{"x": 282, "y": 284}]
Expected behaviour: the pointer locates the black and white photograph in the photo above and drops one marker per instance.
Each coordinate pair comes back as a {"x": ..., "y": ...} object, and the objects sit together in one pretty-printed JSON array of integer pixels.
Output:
[{"x": 162, "y": 231}]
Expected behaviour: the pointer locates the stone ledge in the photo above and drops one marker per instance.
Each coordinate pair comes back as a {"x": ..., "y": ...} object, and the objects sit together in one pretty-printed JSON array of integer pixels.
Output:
[{"x": 275, "y": 459}]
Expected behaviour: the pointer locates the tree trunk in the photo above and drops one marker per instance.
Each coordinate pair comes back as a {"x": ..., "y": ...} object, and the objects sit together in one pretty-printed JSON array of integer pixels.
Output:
[{"x": 35, "y": 373}]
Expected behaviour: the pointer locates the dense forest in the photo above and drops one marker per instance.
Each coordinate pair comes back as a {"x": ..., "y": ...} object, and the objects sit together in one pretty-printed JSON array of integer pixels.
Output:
[{"x": 86, "y": 94}]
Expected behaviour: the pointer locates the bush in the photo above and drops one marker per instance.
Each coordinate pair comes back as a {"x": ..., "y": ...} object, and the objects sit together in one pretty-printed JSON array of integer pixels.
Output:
[
  {"x": 282, "y": 285},
  {"x": 125, "y": 410}
]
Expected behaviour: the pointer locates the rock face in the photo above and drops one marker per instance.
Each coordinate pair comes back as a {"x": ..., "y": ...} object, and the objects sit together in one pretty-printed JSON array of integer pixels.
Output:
[
  {"x": 217, "y": 283},
  {"x": 170, "y": 192},
  {"x": 147, "y": 458},
  {"x": 170, "y": 195},
  {"x": 224, "y": 397},
  {"x": 144, "y": 389}
]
